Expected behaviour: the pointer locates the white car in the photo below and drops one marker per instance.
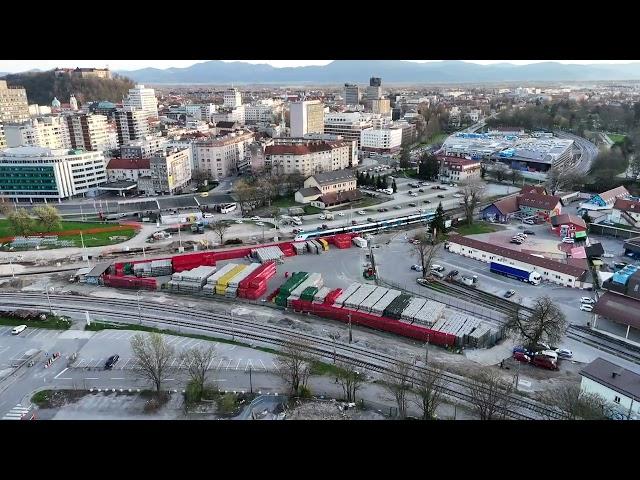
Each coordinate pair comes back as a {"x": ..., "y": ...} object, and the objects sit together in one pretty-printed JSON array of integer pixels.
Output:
[
  {"x": 568, "y": 240},
  {"x": 457, "y": 195},
  {"x": 260, "y": 224},
  {"x": 588, "y": 300},
  {"x": 362, "y": 212},
  {"x": 341, "y": 214},
  {"x": 239, "y": 221},
  {"x": 18, "y": 329},
  {"x": 425, "y": 184},
  {"x": 255, "y": 218},
  {"x": 207, "y": 215},
  {"x": 564, "y": 353},
  {"x": 322, "y": 217},
  {"x": 585, "y": 307}
]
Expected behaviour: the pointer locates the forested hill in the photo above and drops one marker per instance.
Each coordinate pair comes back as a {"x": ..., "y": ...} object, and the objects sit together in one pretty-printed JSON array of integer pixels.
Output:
[{"x": 42, "y": 87}]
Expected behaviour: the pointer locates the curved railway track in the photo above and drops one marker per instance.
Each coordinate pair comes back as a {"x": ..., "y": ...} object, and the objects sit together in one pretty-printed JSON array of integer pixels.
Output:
[{"x": 519, "y": 407}]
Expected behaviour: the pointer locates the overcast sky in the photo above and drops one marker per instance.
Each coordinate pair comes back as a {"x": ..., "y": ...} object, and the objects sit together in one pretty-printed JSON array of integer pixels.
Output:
[{"x": 23, "y": 65}]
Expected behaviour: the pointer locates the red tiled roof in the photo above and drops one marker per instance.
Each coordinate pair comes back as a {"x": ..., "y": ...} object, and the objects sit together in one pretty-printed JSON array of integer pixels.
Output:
[
  {"x": 565, "y": 219},
  {"x": 507, "y": 205},
  {"x": 465, "y": 162},
  {"x": 129, "y": 164},
  {"x": 520, "y": 256},
  {"x": 539, "y": 189},
  {"x": 296, "y": 149},
  {"x": 626, "y": 205},
  {"x": 614, "y": 193},
  {"x": 535, "y": 200}
]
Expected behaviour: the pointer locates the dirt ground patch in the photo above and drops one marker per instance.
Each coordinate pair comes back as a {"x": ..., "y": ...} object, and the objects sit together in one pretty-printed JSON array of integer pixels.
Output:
[
  {"x": 328, "y": 410},
  {"x": 57, "y": 398}
]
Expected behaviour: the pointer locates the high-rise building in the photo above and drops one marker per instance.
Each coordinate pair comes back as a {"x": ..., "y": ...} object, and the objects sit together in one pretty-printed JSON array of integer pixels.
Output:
[
  {"x": 232, "y": 98},
  {"x": 223, "y": 156},
  {"x": 142, "y": 98},
  {"x": 88, "y": 131},
  {"x": 348, "y": 125},
  {"x": 383, "y": 140},
  {"x": 14, "y": 107},
  {"x": 374, "y": 90},
  {"x": 381, "y": 106},
  {"x": 36, "y": 173},
  {"x": 45, "y": 132},
  {"x": 170, "y": 169},
  {"x": 132, "y": 124},
  {"x": 351, "y": 94},
  {"x": 306, "y": 117},
  {"x": 3, "y": 141}
]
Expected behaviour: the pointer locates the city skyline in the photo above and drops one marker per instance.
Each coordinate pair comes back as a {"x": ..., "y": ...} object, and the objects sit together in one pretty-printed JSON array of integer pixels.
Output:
[{"x": 15, "y": 66}]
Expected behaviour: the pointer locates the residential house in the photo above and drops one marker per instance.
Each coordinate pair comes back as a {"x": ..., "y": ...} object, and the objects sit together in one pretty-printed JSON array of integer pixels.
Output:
[
  {"x": 542, "y": 206},
  {"x": 335, "y": 181},
  {"x": 307, "y": 195},
  {"x": 567, "y": 225},
  {"x": 501, "y": 210},
  {"x": 617, "y": 385},
  {"x": 625, "y": 212}
]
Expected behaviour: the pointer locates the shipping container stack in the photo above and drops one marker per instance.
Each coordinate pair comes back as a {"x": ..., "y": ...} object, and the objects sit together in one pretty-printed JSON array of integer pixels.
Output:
[
  {"x": 312, "y": 247},
  {"x": 342, "y": 241},
  {"x": 351, "y": 289},
  {"x": 300, "y": 247},
  {"x": 395, "y": 308},
  {"x": 312, "y": 280},
  {"x": 267, "y": 254},
  {"x": 191, "y": 281},
  {"x": 331, "y": 297},
  {"x": 210, "y": 287},
  {"x": 324, "y": 243},
  {"x": 120, "y": 281},
  {"x": 255, "y": 285},
  {"x": 429, "y": 314},
  {"x": 380, "y": 306},
  {"x": 321, "y": 294},
  {"x": 142, "y": 269},
  {"x": 458, "y": 325},
  {"x": 354, "y": 301},
  {"x": 287, "y": 249},
  {"x": 223, "y": 281},
  {"x": 287, "y": 287},
  {"x": 409, "y": 313},
  {"x": 232, "y": 288},
  {"x": 308, "y": 294},
  {"x": 160, "y": 268},
  {"x": 372, "y": 299}
]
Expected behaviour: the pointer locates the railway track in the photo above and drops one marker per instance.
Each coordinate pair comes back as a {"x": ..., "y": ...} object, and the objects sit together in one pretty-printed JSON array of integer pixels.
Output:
[
  {"x": 457, "y": 386},
  {"x": 605, "y": 343}
]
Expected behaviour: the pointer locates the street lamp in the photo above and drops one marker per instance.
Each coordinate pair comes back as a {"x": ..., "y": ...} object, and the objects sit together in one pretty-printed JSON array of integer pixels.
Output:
[
  {"x": 139, "y": 309},
  {"x": 350, "y": 333},
  {"x": 46, "y": 291}
]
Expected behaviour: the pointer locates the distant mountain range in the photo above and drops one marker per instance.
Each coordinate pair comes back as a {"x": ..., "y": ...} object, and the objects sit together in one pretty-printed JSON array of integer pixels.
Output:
[{"x": 391, "y": 71}]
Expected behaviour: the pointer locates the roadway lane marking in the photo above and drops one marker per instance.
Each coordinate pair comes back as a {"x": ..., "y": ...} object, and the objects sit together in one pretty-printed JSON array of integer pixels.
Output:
[
  {"x": 92, "y": 378},
  {"x": 30, "y": 332},
  {"x": 61, "y": 373},
  {"x": 117, "y": 378}
]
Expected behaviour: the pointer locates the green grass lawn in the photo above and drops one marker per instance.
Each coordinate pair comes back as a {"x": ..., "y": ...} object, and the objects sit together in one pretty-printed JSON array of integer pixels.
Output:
[
  {"x": 475, "y": 228},
  {"x": 51, "y": 323},
  {"x": 100, "y": 239},
  {"x": 5, "y": 231},
  {"x": 616, "y": 138},
  {"x": 285, "y": 202}
]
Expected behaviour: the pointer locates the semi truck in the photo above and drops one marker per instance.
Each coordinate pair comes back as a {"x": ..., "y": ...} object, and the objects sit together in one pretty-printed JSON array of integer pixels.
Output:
[{"x": 529, "y": 276}]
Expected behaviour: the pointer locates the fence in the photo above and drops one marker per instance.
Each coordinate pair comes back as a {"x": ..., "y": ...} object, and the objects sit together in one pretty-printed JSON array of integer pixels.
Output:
[{"x": 600, "y": 229}]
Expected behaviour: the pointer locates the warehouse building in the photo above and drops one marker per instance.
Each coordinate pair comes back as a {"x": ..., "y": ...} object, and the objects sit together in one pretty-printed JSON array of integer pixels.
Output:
[
  {"x": 619, "y": 309},
  {"x": 550, "y": 270}
]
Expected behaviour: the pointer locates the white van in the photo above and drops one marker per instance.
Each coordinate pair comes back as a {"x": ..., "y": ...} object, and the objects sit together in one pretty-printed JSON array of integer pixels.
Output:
[{"x": 18, "y": 329}]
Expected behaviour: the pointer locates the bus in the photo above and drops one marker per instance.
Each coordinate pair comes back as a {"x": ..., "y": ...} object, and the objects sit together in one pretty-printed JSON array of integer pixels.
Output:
[
  {"x": 368, "y": 227},
  {"x": 228, "y": 207}
]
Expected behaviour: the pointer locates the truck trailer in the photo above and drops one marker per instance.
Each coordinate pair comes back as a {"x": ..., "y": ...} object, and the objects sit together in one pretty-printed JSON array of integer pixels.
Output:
[{"x": 521, "y": 274}]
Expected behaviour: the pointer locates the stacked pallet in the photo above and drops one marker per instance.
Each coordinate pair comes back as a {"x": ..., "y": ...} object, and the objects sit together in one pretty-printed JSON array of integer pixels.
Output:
[
  {"x": 395, "y": 308},
  {"x": 267, "y": 254},
  {"x": 300, "y": 247},
  {"x": 255, "y": 284},
  {"x": 321, "y": 294},
  {"x": 232, "y": 287},
  {"x": 314, "y": 247},
  {"x": 210, "y": 287},
  {"x": 413, "y": 308},
  {"x": 342, "y": 241},
  {"x": 429, "y": 314},
  {"x": 191, "y": 281},
  {"x": 223, "y": 281},
  {"x": 287, "y": 249},
  {"x": 461, "y": 326},
  {"x": 380, "y": 306},
  {"x": 351, "y": 289},
  {"x": 288, "y": 286},
  {"x": 372, "y": 299},
  {"x": 357, "y": 298},
  {"x": 160, "y": 268}
]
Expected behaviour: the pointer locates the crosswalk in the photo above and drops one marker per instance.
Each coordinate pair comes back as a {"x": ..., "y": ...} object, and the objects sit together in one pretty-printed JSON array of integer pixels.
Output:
[{"x": 16, "y": 413}]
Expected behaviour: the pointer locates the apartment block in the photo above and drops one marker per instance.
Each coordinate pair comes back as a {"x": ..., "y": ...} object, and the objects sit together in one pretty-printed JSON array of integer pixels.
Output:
[
  {"x": 170, "y": 170},
  {"x": 306, "y": 117},
  {"x": 384, "y": 140},
  {"x": 88, "y": 131},
  {"x": 144, "y": 99},
  {"x": 14, "y": 107},
  {"x": 132, "y": 124},
  {"x": 309, "y": 157},
  {"x": 223, "y": 156},
  {"x": 46, "y": 132}
]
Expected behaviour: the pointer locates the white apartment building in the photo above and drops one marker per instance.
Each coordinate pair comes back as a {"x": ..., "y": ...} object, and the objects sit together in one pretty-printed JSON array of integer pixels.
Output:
[
  {"x": 14, "y": 107},
  {"x": 310, "y": 157},
  {"x": 202, "y": 111},
  {"x": 88, "y": 131},
  {"x": 236, "y": 114},
  {"x": 143, "y": 148},
  {"x": 36, "y": 173},
  {"x": 232, "y": 98},
  {"x": 223, "y": 156},
  {"x": 348, "y": 125},
  {"x": 3, "y": 140},
  {"x": 132, "y": 124},
  {"x": 259, "y": 112},
  {"x": 39, "y": 110},
  {"x": 306, "y": 117},
  {"x": 144, "y": 99},
  {"x": 170, "y": 170},
  {"x": 382, "y": 140},
  {"x": 46, "y": 132},
  {"x": 129, "y": 169}
]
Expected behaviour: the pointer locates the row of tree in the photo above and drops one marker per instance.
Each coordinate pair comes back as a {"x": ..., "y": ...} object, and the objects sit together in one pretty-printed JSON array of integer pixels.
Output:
[
  {"x": 44, "y": 218},
  {"x": 261, "y": 188},
  {"x": 377, "y": 181},
  {"x": 500, "y": 172}
]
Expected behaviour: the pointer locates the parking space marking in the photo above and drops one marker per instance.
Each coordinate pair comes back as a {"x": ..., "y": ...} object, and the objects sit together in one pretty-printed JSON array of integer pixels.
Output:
[
  {"x": 220, "y": 363},
  {"x": 80, "y": 362},
  {"x": 248, "y": 365},
  {"x": 4, "y": 349},
  {"x": 117, "y": 378},
  {"x": 91, "y": 378},
  {"x": 174, "y": 361},
  {"x": 125, "y": 364},
  {"x": 30, "y": 332},
  {"x": 61, "y": 373},
  {"x": 238, "y": 364},
  {"x": 3, "y": 330},
  {"x": 229, "y": 364},
  {"x": 263, "y": 365}
]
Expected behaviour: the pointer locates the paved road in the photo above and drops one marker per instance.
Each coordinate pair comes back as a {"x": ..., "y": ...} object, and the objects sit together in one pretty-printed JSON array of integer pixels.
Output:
[{"x": 588, "y": 152}]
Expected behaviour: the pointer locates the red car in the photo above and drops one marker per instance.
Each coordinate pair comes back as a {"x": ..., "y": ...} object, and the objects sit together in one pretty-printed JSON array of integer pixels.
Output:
[
  {"x": 543, "y": 361},
  {"x": 522, "y": 357}
]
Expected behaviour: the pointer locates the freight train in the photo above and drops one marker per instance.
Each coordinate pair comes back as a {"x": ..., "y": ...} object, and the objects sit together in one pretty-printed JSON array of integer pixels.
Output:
[{"x": 369, "y": 226}]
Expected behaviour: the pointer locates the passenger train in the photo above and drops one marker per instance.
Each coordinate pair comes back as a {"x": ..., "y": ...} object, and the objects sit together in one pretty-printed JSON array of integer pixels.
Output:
[{"x": 367, "y": 227}]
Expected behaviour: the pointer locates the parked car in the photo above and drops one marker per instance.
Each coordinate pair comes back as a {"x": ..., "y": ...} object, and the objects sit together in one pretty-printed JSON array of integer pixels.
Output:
[
  {"x": 564, "y": 353},
  {"x": 422, "y": 281},
  {"x": 521, "y": 357},
  {"x": 426, "y": 201},
  {"x": 260, "y": 224},
  {"x": 409, "y": 192},
  {"x": 435, "y": 273},
  {"x": 509, "y": 294},
  {"x": 437, "y": 268},
  {"x": 325, "y": 226},
  {"x": 417, "y": 268},
  {"x": 414, "y": 194},
  {"x": 371, "y": 219},
  {"x": 397, "y": 207},
  {"x": 425, "y": 184},
  {"x": 239, "y": 221},
  {"x": 544, "y": 362},
  {"x": 588, "y": 300},
  {"x": 353, "y": 222},
  {"x": 298, "y": 230},
  {"x": 111, "y": 361},
  {"x": 412, "y": 204},
  {"x": 341, "y": 214},
  {"x": 381, "y": 209},
  {"x": 421, "y": 190},
  {"x": 255, "y": 218},
  {"x": 440, "y": 196},
  {"x": 529, "y": 232},
  {"x": 362, "y": 212},
  {"x": 516, "y": 241},
  {"x": 435, "y": 187},
  {"x": 17, "y": 330},
  {"x": 207, "y": 215},
  {"x": 585, "y": 307},
  {"x": 385, "y": 209},
  {"x": 568, "y": 240}
]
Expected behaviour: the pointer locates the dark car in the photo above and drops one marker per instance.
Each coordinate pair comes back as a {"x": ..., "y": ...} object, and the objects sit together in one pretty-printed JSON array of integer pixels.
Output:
[
  {"x": 325, "y": 226},
  {"x": 371, "y": 219},
  {"x": 440, "y": 196},
  {"x": 412, "y": 204},
  {"x": 111, "y": 361},
  {"x": 353, "y": 222},
  {"x": 421, "y": 190},
  {"x": 521, "y": 357},
  {"x": 381, "y": 209},
  {"x": 453, "y": 273},
  {"x": 510, "y": 294},
  {"x": 513, "y": 240},
  {"x": 435, "y": 187},
  {"x": 528, "y": 232},
  {"x": 385, "y": 209},
  {"x": 426, "y": 201}
]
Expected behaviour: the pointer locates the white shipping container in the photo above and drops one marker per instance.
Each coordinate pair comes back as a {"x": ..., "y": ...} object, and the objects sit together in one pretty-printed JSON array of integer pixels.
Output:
[{"x": 351, "y": 289}]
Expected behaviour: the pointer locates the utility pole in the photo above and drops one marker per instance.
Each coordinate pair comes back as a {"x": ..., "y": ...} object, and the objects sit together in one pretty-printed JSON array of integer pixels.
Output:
[
  {"x": 84, "y": 250},
  {"x": 48, "y": 298},
  {"x": 180, "y": 236},
  {"x": 350, "y": 332},
  {"x": 250, "y": 381},
  {"x": 139, "y": 309}
]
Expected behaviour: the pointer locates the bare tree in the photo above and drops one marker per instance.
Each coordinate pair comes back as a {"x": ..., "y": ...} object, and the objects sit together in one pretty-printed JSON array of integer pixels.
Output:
[
  {"x": 473, "y": 193},
  {"x": 430, "y": 385},
  {"x": 562, "y": 179},
  {"x": 499, "y": 172},
  {"x": 489, "y": 395},
  {"x": 547, "y": 323},
  {"x": 576, "y": 404},
  {"x": 350, "y": 379},
  {"x": 277, "y": 216},
  {"x": 198, "y": 362},
  {"x": 397, "y": 381},
  {"x": 220, "y": 227},
  {"x": 425, "y": 251},
  {"x": 153, "y": 355},
  {"x": 48, "y": 217},
  {"x": 294, "y": 365},
  {"x": 515, "y": 176}
]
